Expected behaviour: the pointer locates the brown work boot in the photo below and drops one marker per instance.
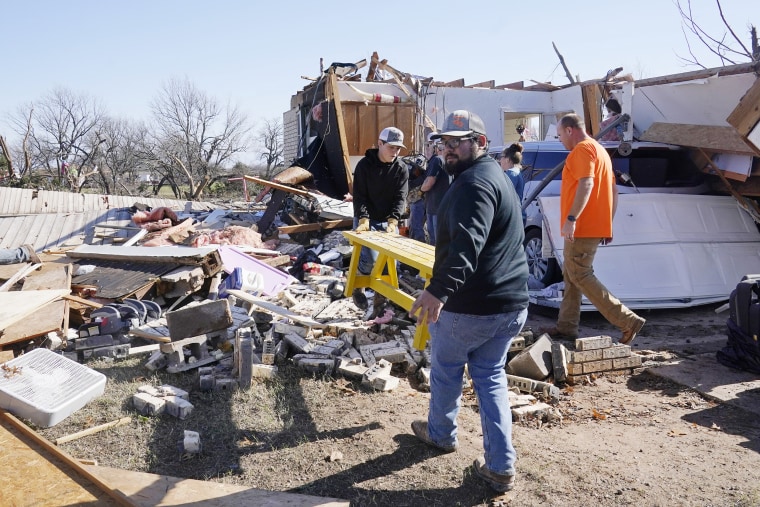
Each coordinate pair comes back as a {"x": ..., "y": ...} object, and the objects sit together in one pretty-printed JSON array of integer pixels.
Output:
[
  {"x": 556, "y": 334},
  {"x": 420, "y": 429},
  {"x": 33, "y": 257},
  {"x": 630, "y": 333},
  {"x": 498, "y": 482}
]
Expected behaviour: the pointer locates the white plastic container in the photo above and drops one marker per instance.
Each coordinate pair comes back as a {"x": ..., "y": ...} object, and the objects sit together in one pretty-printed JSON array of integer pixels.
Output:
[{"x": 46, "y": 388}]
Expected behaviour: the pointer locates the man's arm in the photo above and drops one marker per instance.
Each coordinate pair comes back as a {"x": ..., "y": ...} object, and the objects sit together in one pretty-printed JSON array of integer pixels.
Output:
[
  {"x": 400, "y": 193},
  {"x": 360, "y": 191},
  {"x": 582, "y": 194}
]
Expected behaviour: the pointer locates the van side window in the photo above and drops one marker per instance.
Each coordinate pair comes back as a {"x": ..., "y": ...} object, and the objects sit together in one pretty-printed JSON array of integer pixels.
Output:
[{"x": 548, "y": 160}]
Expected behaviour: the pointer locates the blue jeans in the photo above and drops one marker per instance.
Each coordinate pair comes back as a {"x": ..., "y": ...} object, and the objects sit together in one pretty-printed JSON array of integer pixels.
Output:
[
  {"x": 432, "y": 221},
  {"x": 481, "y": 342},
  {"x": 417, "y": 220},
  {"x": 13, "y": 255},
  {"x": 368, "y": 257}
]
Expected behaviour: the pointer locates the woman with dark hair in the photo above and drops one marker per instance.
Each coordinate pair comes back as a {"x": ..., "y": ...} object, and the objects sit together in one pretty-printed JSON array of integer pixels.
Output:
[
  {"x": 613, "y": 111},
  {"x": 510, "y": 161}
]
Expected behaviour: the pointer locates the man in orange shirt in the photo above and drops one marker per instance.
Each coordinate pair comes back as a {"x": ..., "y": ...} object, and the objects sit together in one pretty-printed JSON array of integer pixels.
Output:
[{"x": 588, "y": 200}]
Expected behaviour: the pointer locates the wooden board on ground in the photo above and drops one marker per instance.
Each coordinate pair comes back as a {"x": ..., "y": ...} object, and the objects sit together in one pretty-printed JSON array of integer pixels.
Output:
[
  {"x": 33, "y": 475},
  {"x": 52, "y": 317},
  {"x": 148, "y": 490},
  {"x": 15, "y": 306}
]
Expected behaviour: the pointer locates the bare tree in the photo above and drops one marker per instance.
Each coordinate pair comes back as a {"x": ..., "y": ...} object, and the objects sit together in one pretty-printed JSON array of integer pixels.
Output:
[
  {"x": 120, "y": 161},
  {"x": 195, "y": 136},
  {"x": 272, "y": 145},
  {"x": 60, "y": 137},
  {"x": 727, "y": 46}
]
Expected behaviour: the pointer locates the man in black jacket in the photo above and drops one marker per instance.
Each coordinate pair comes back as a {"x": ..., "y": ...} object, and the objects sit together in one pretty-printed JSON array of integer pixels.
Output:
[
  {"x": 381, "y": 184},
  {"x": 477, "y": 299}
]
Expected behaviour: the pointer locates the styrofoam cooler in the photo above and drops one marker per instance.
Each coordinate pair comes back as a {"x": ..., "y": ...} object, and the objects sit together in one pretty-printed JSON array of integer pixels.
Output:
[{"x": 46, "y": 387}]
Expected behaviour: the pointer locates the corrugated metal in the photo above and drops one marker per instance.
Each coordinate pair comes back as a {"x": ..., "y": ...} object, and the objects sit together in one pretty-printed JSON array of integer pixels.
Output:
[
  {"x": 25, "y": 201},
  {"x": 47, "y": 219},
  {"x": 120, "y": 279}
]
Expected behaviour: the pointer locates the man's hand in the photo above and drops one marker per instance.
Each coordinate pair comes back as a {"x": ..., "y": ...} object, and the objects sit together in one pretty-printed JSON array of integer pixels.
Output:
[
  {"x": 429, "y": 308},
  {"x": 568, "y": 230},
  {"x": 363, "y": 225},
  {"x": 392, "y": 226}
]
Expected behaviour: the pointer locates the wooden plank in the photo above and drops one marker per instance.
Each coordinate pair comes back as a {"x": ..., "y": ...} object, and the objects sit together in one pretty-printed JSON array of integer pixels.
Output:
[
  {"x": 317, "y": 226},
  {"x": 49, "y": 318},
  {"x": 92, "y": 430},
  {"x": 14, "y": 306},
  {"x": 746, "y": 114},
  {"x": 278, "y": 186},
  {"x": 708, "y": 137},
  {"x": 149, "y": 490},
  {"x": 273, "y": 308},
  {"x": 35, "y": 472},
  {"x": 334, "y": 96}
]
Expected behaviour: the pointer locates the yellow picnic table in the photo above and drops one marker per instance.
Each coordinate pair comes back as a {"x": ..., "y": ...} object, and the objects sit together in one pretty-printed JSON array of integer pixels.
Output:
[{"x": 391, "y": 248}]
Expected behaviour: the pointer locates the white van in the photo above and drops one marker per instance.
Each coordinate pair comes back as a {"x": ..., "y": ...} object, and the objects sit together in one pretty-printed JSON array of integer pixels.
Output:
[{"x": 645, "y": 168}]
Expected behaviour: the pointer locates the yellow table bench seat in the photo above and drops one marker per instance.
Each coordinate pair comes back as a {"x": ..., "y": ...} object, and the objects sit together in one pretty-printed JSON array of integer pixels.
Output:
[{"x": 390, "y": 248}]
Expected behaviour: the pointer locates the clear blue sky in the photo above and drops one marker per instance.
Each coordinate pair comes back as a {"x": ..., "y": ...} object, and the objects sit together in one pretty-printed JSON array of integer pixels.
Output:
[{"x": 253, "y": 53}]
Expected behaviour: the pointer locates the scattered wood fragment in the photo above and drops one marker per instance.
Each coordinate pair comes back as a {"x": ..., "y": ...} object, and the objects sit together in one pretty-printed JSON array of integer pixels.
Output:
[{"x": 93, "y": 430}]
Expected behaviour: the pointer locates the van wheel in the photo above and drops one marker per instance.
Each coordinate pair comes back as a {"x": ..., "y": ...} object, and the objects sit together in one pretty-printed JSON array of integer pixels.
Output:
[
  {"x": 537, "y": 265},
  {"x": 545, "y": 270}
]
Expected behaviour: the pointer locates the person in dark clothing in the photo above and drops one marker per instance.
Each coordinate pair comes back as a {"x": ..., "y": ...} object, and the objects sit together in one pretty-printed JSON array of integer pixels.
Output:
[
  {"x": 381, "y": 184},
  {"x": 477, "y": 298},
  {"x": 434, "y": 186},
  {"x": 416, "y": 201}
]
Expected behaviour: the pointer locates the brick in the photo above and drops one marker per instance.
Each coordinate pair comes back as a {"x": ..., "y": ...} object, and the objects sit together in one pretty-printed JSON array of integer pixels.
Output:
[
  {"x": 535, "y": 362},
  {"x": 586, "y": 355},
  {"x": 518, "y": 344},
  {"x": 226, "y": 384},
  {"x": 523, "y": 384},
  {"x": 633, "y": 361},
  {"x": 520, "y": 400},
  {"x": 148, "y": 389},
  {"x": 156, "y": 361},
  {"x": 283, "y": 328},
  {"x": 104, "y": 340},
  {"x": 575, "y": 368},
  {"x": 317, "y": 365},
  {"x": 167, "y": 390},
  {"x": 206, "y": 382},
  {"x": 597, "y": 366},
  {"x": 616, "y": 351},
  {"x": 382, "y": 367},
  {"x": 147, "y": 404},
  {"x": 115, "y": 351},
  {"x": 351, "y": 370},
  {"x": 298, "y": 343},
  {"x": 264, "y": 370},
  {"x": 243, "y": 358},
  {"x": 536, "y": 410},
  {"x": 268, "y": 351},
  {"x": 384, "y": 383},
  {"x": 593, "y": 342},
  {"x": 559, "y": 362},
  {"x": 391, "y": 354},
  {"x": 178, "y": 407}
]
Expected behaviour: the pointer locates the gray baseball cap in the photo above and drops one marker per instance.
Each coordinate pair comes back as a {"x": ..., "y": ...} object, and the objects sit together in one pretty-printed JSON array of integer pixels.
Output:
[
  {"x": 461, "y": 123},
  {"x": 392, "y": 136}
]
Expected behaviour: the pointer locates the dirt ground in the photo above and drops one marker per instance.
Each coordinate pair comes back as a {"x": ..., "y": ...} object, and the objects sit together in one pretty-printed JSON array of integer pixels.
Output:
[{"x": 624, "y": 440}]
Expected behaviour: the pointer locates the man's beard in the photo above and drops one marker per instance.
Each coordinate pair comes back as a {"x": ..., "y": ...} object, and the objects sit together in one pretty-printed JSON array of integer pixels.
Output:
[{"x": 456, "y": 168}]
